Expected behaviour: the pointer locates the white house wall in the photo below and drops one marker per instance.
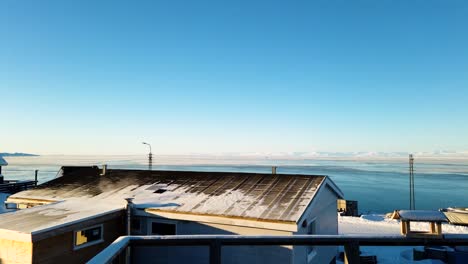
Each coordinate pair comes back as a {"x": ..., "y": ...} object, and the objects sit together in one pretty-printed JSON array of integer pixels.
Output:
[
  {"x": 230, "y": 255},
  {"x": 323, "y": 210}
]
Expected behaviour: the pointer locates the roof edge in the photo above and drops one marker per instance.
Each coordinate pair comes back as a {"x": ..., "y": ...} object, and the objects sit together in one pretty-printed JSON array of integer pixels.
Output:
[
  {"x": 76, "y": 224},
  {"x": 289, "y": 226},
  {"x": 327, "y": 182},
  {"x": 335, "y": 187},
  {"x": 12, "y": 199},
  {"x": 212, "y": 172}
]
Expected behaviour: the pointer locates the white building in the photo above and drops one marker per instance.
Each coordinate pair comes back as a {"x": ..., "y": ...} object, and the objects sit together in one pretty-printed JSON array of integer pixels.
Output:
[
  {"x": 2, "y": 163},
  {"x": 81, "y": 212}
]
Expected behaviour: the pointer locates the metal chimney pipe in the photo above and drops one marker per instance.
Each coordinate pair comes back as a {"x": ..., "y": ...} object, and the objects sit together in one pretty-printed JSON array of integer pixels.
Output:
[{"x": 104, "y": 169}]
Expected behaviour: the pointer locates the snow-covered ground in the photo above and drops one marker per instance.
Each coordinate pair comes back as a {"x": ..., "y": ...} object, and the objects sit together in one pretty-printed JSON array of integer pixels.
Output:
[{"x": 379, "y": 225}]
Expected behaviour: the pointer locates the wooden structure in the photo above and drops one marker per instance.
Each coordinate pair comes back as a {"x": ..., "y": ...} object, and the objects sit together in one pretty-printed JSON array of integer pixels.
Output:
[
  {"x": 83, "y": 210},
  {"x": 434, "y": 218},
  {"x": 457, "y": 216},
  {"x": 347, "y": 207}
]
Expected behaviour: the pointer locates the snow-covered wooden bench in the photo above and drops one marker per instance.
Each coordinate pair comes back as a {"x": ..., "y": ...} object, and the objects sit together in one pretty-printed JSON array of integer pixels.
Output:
[{"x": 434, "y": 218}]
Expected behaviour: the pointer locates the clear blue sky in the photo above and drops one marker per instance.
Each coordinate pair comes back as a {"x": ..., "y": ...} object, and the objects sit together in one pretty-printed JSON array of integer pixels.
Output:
[{"x": 99, "y": 77}]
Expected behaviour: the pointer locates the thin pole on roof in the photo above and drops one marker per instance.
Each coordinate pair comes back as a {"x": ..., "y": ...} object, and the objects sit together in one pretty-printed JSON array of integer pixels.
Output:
[{"x": 150, "y": 156}]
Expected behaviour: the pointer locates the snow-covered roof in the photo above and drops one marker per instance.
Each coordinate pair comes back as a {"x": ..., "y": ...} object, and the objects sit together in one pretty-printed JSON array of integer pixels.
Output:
[
  {"x": 84, "y": 192},
  {"x": 422, "y": 216},
  {"x": 3, "y": 162},
  {"x": 41, "y": 219}
]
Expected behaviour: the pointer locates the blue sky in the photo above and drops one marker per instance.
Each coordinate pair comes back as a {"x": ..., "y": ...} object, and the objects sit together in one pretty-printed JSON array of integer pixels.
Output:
[{"x": 99, "y": 77}]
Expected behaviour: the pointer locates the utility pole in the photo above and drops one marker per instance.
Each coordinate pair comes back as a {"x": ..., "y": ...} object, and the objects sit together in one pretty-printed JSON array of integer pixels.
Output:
[
  {"x": 35, "y": 177},
  {"x": 411, "y": 182},
  {"x": 150, "y": 156}
]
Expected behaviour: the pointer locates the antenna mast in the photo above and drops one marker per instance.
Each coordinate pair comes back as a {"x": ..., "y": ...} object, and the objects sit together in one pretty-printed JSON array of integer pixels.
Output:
[
  {"x": 411, "y": 182},
  {"x": 150, "y": 161}
]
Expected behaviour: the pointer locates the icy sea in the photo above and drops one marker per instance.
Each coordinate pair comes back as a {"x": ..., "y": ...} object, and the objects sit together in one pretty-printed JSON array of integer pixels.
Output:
[{"x": 379, "y": 185}]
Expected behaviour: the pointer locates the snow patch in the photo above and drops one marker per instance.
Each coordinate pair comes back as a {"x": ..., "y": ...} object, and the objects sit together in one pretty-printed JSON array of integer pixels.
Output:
[{"x": 378, "y": 225}]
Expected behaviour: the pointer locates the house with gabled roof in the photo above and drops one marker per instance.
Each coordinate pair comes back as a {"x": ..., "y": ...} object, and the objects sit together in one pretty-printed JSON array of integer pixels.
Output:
[{"x": 74, "y": 216}]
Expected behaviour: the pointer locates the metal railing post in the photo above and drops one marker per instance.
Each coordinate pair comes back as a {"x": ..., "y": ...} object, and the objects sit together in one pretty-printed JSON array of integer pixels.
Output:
[
  {"x": 351, "y": 253},
  {"x": 215, "y": 252},
  {"x": 128, "y": 251}
]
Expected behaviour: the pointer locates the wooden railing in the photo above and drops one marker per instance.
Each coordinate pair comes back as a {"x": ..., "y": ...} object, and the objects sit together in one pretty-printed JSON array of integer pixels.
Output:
[{"x": 117, "y": 250}]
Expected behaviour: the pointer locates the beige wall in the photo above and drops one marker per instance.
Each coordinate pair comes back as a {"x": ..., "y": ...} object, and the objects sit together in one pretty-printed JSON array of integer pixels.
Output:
[{"x": 15, "y": 252}]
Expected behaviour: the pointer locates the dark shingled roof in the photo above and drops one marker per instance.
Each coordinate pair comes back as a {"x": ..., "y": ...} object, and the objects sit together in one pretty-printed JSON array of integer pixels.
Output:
[{"x": 273, "y": 197}]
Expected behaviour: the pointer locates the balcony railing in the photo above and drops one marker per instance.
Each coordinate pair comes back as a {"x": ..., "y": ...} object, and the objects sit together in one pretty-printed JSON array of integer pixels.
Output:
[
  {"x": 12, "y": 186},
  {"x": 351, "y": 243}
]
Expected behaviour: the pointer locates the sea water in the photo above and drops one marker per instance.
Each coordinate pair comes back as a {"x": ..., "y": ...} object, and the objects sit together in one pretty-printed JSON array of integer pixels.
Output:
[{"x": 379, "y": 186}]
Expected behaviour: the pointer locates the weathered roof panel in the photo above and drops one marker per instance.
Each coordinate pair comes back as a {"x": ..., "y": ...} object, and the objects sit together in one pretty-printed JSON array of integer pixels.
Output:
[{"x": 270, "y": 197}]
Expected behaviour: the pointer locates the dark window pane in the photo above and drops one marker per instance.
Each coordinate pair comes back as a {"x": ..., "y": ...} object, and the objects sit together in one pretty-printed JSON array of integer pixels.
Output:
[
  {"x": 88, "y": 235},
  {"x": 93, "y": 234},
  {"x": 163, "y": 229},
  {"x": 136, "y": 224}
]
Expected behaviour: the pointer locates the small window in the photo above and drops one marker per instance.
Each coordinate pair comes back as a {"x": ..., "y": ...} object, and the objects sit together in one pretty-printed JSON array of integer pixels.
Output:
[
  {"x": 160, "y": 191},
  {"x": 11, "y": 206},
  {"x": 311, "y": 250},
  {"x": 163, "y": 229},
  {"x": 89, "y": 236}
]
